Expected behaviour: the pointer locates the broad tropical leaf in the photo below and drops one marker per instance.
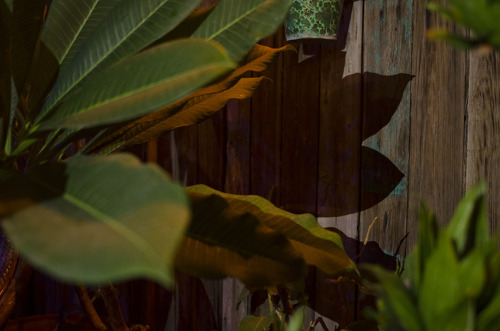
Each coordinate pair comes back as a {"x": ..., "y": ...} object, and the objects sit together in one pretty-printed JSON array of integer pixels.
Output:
[
  {"x": 196, "y": 110},
  {"x": 64, "y": 36},
  {"x": 306, "y": 238},
  {"x": 129, "y": 27},
  {"x": 238, "y": 25},
  {"x": 222, "y": 241},
  {"x": 140, "y": 84},
  {"x": 149, "y": 126},
  {"x": 96, "y": 219}
]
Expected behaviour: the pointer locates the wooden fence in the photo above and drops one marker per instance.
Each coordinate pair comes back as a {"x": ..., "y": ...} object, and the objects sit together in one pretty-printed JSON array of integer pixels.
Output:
[{"x": 366, "y": 126}]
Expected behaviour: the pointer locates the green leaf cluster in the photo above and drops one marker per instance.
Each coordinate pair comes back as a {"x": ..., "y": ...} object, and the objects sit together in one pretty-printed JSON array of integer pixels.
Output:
[
  {"x": 451, "y": 281},
  {"x": 480, "y": 16},
  {"x": 85, "y": 72},
  {"x": 82, "y": 78}
]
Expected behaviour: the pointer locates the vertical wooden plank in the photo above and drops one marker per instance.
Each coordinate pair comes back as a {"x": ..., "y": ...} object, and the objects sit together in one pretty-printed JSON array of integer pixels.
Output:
[
  {"x": 177, "y": 153},
  {"x": 436, "y": 172},
  {"x": 238, "y": 182},
  {"x": 265, "y": 158},
  {"x": 387, "y": 53},
  {"x": 299, "y": 131},
  {"x": 211, "y": 167},
  {"x": 299, "y": 137},
  {"x": 339, "y": 137},
  {"x": 483, "y": 136},
  {"x": 210, "y": 171}
]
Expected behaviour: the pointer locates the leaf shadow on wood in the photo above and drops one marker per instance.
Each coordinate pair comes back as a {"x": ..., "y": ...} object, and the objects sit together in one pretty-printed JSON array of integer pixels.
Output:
[
  {"x": 333, "y": 299},
  {"x": 353, "y": 177}
]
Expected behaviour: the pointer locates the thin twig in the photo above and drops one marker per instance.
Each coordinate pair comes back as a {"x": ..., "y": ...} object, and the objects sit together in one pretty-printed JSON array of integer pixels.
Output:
[
  {"x": 89, "y": 309},
  {"x": 357, "y": 258}
]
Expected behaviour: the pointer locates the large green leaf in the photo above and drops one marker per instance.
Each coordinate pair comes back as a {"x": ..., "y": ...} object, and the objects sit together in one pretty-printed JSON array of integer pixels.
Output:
[
  {"x": 70, "y": 22},
  {"x": 149, "y": 126},
  {"x": 130, "y": 26},
  {"x": 94, "y": 219},
  {"x": 141, "y": 84},
  {"x": 238, "y": 25},
  {"x": 223, "y": 212}
]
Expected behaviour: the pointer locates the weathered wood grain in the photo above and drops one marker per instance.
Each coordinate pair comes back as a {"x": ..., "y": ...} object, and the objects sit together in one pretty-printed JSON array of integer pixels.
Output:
[
  {"x": 210, "y": 171},
  {"x": 299, "y": 131},
  {"x": 387, "y": 51},
  {"x": 265, "y": 143},
  {"x": 338, "y": 180},
  {"x": 436, "y": 172},
  {"x": 237, "y": 182},
  {"x": 300, "y": 135},
  {"x": 483, "y": 129}
]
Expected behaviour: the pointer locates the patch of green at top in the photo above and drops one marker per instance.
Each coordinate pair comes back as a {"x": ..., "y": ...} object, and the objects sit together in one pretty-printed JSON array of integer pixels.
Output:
[{"x": 313, "y": 19}]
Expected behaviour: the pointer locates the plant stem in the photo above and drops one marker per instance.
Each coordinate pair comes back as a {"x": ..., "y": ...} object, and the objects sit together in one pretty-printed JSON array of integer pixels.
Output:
[
  {"x": 113, "y": 308},
  {"x": 89, "y": 309}
]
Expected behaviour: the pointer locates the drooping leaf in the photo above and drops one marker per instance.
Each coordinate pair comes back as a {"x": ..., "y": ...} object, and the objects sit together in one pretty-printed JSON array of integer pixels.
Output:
[
  {"x": 128, "y": 28},
  {"x": 238, "y": 25},
  {"x": 141, "y": 84},
  {"x": 158, "y": 122},
  {"x": 317, "y": 246},
  {"x": 222, "y": 241},
  {"x": 197, "y": 110},
  {"x": 255, "y": 323},
  {"x": 96, "y": 219}
]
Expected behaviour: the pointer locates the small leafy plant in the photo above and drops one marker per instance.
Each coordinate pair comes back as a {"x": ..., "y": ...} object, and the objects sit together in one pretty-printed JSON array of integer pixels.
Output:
[
  {"x": 451, "y": 281},
  {"x": 480, "y": 16}
]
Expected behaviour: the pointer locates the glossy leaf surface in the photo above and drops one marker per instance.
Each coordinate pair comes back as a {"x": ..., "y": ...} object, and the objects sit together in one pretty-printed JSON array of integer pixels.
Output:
[
  {"x": 127, "y": 27},
  {"x": 235, "y": 219},
  {"x": 238, "y": 25},
  {"x": 96, "y": 219},
  {"x": 141, "y": 84}
]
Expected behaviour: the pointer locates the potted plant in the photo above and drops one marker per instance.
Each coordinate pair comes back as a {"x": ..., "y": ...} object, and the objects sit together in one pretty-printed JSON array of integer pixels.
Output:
[{"x": 313, "y": 19}]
